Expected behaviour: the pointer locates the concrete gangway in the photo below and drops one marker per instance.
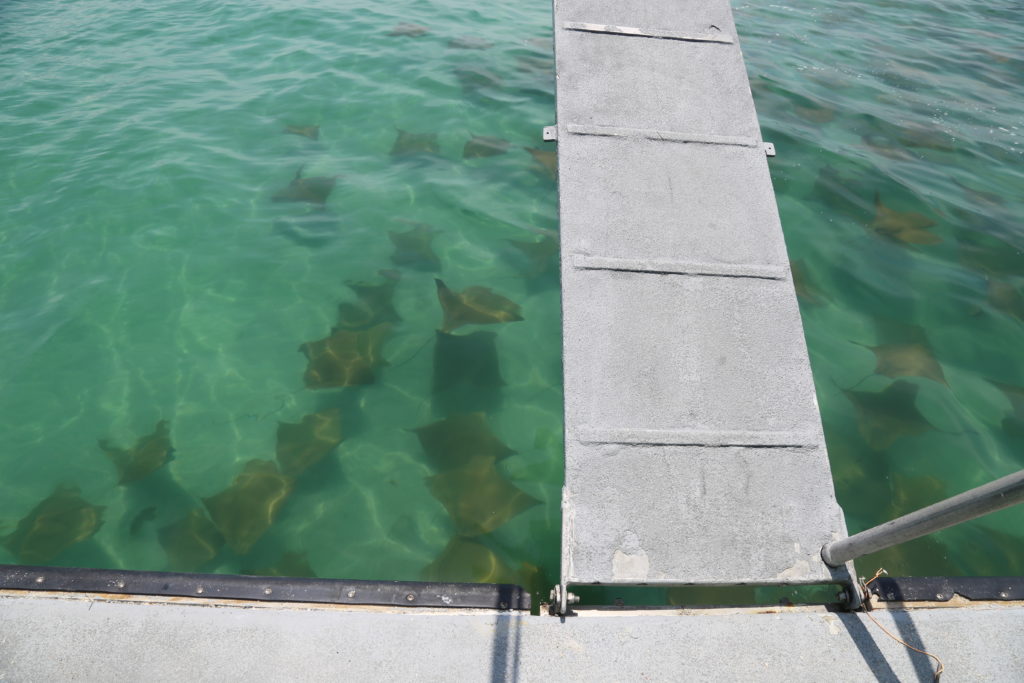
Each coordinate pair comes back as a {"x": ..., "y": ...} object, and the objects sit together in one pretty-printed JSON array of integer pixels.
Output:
[{"x": 694, "y": 447}]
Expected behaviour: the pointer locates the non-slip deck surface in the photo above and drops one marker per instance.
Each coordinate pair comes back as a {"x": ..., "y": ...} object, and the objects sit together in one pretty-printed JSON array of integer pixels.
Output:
[
  {"x": 76, "y": 638},
  {"x": 694, "y": 450}
]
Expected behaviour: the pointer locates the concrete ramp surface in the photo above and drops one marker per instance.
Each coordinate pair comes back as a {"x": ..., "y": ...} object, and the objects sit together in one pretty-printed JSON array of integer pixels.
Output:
[{"x": 694, "y": 450}]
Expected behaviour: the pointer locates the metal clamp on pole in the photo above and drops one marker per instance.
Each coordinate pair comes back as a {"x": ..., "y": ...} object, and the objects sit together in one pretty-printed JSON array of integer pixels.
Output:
[{"x": 979, "y": 501}]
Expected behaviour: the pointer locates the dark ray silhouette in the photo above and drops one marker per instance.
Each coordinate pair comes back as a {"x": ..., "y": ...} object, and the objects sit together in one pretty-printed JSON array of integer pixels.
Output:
[
  {"x": 883, "y": 417},
  {"x": 54, "y": 525},
  {"x": 414, "y": 248},
  {"x": 454, "y": 441},
  {"x": 311, "y": 132},
  {"x": 484, "y": 146},
  {"x": 290, "y": 564},
  {"x": 148, "y": 454},
  {"x": 245, "y": 510},
  {"x": 538, "y": 258},
  {"x": 302, "y": 445},
  {"x": 314, "y": 189},
  {"x": 474, "y": 306},
  {"x": 346, "y": 358},
  {"x": 412, "y": 144},
  {"x": 190, "y": 542},
  {"x": 547, "y": 159},
  {"x": 477, "y": 497},
  {"x": 373, "y": 304},
  {"x": 908, "y": 227},
  {"x": 466, "y": 373}
]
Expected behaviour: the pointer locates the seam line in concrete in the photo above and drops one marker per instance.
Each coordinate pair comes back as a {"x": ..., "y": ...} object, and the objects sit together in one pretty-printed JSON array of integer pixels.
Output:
[
  {"x": 663, "y": 34},
  {"x": 695, "y": 437},
  {"x": 659, "y": 267},
  {"x": 663, "y": 135}
]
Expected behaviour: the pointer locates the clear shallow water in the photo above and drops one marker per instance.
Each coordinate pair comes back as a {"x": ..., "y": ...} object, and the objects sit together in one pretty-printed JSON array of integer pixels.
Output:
[
  {"x": 147, "y": 275},
  {"x": 921, "y": 105}
]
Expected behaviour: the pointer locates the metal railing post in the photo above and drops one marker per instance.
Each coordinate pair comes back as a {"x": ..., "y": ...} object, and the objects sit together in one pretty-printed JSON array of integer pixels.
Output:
[{"x": 979, "y": 501}]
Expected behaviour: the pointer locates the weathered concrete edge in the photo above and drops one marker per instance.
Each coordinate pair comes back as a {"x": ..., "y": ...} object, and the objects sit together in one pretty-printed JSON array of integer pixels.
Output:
[{"x": 47, "y": 638}]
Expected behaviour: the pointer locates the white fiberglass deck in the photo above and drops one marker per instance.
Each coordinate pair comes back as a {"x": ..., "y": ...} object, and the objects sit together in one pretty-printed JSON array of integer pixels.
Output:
[{"x": 694, "y": 450}]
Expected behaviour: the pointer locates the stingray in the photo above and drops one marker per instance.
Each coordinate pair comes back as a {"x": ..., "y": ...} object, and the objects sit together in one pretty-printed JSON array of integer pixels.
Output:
[
  {"x": 805, "y": 288},
  {"x": 1015, "y": 395},
  {"x": 454, "y": 441},
  {"x": 540, "y": 258},
  {"x": 373, "y": 304},
  {"x": 547, "y": 159},
  {"x": 1004, "y": 297},
  {"x": 144, "y": 516},
  {"x": 413, "y": 248},
  {"x": 315, "y": 189},
  {"x": 484, "y": 146},
  {"x": 315, "y": 229},
  {"x": 474, "y": 306},
  {"x": 544, "y": 66},
  {"x": 815, "y": 113},
  {"x": 466, "y": 374},
  {"x": 190, "y": 542},
  {"x": 311, "y": 132},
  {"x": 409, "y": 30},
  {"x": 886, "y": 146},
  {"x": 990, "y": 255},
  {"x": 906, "y": 360},
  {"x": 148, "y": 454},
  {"x": 477, "y": 497},
  {"x": 54, "y": 525},
  {"x": 290, "y": 564},
  {"x": 346, "y": 358},
  {"x": 925, "y": 138},
  {"x": 245, "y": 510},
  {"x": 469, "y": 43},
  {"x": 467, "y": 561},
  {"x": 886, "y": 416},
  {"x": 908, "y": 227},
  {"x": 302, "y": 445},
  {"x": 473, "y": 78},
  {"x": 411, "y": 144}
]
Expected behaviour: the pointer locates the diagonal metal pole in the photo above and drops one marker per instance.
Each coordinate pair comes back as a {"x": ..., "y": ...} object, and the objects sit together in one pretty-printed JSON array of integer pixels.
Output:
[{"x": 978, "y": 501}]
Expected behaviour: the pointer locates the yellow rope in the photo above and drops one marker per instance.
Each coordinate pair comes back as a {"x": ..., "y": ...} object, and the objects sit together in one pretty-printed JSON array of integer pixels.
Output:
[{"x": 865, "y": 584}]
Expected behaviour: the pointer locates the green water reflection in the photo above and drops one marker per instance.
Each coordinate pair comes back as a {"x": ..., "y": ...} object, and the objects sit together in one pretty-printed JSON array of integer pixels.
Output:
[{"x": 279, "y": 290}]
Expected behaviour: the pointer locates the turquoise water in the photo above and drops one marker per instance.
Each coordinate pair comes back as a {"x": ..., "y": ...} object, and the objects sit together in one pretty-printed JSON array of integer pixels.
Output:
[
  {"x": 148, "y": 276},
  {"x": 921, "y": 105}
]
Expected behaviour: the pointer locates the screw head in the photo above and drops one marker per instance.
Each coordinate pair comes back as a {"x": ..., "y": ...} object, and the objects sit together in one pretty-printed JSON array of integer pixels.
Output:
[
  {"x": 40, "y": 579},
  {"x": 199, "y": 589},
  {"x": 267, "y": 591},
  {"x": 351, "y": 594},
  {"x": 410, "y": 597}
]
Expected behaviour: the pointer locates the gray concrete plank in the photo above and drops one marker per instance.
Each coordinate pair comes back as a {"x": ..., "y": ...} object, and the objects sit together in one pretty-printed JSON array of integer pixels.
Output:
[
  {"x": 694, "y": 445},
  {"x": 646, "y": 199},
  {"x": 643, "y": 83},
  {"x": 43, "y": 639},
  {"x": 725, "y": 515},
  {"x": 662, "y": 352}
]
